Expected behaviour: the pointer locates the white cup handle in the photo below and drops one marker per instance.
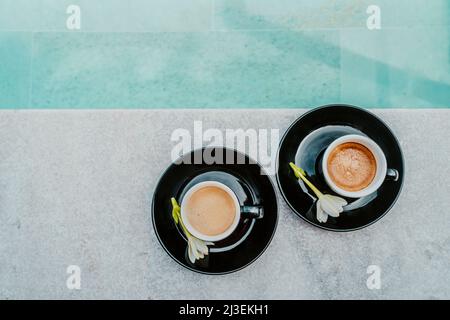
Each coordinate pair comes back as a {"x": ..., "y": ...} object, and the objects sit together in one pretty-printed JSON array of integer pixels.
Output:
[
  {"x": 392, "y": 174},
  {"x": 255, "y": 212}
]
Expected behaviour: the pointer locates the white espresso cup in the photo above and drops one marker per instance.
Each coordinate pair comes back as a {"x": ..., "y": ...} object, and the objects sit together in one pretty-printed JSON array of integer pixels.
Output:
[
  {"x": 381, "y": 166},
  {"x": 255, "y": 212}
]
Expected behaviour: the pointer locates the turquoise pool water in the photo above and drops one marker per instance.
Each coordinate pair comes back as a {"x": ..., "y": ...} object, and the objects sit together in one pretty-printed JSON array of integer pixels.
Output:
[{"x": 224, "y": 54}]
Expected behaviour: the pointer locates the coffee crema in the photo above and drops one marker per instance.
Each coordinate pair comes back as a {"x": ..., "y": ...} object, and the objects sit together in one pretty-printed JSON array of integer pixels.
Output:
[
  {"x": 211, "y": 211},
  {"x": 351, "y": 166}
]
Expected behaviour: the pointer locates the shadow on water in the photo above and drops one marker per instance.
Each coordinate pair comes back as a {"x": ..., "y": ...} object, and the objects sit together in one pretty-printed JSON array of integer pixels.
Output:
[{"x": 388, "y": 78}]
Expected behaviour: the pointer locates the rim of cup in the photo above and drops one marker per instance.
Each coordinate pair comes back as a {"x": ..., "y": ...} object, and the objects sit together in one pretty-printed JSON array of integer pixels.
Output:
[
  {"x": 194, "y": 231},
  {"x": 381, "y": 165}
]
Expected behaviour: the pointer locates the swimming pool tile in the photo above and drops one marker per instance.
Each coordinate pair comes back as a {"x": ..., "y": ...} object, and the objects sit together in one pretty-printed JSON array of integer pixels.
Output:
[
  {"x": 321, "y": 14},
  {"x": 19, "y": 15},
  {"x": 396, "y": 68},
  {"x": 15, "y": 56},
  {"x": 260, "y": 55},
  {"x": 414, "y": 13},
  {"x": 222, "y": 69},
  {"x": 107, "y": 15},
  {"x": 283, "y": 14}
]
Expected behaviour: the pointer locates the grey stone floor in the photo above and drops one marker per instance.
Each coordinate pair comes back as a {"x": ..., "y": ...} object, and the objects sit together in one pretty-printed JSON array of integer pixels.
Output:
[{"x": 76, "y": 189}]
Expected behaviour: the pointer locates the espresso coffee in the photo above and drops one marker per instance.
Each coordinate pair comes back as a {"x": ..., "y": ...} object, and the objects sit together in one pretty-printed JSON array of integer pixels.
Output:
[
  {"x": 211, "y": 210},
  {"x": 351, "y": 166}
]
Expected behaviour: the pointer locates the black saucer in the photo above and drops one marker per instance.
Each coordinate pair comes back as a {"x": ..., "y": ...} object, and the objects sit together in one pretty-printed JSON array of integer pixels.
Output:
[
  {"x": 305, "y": 142},
  {"x": 251, "y": 237}
]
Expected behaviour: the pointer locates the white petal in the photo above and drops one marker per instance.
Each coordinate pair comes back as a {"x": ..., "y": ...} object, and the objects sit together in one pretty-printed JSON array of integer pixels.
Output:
[
  {"x": 322, "y": 217},
  {"x": 204, "y": 250},
  {"x": 192, "y": 244},
  {"x": 330, "y": 207},
  {"x": 338, "y": 200},
  {"x": 201, "y": 246},
  {"x": 191, "y": 254},
  {"x": 200, "y": 255}
]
